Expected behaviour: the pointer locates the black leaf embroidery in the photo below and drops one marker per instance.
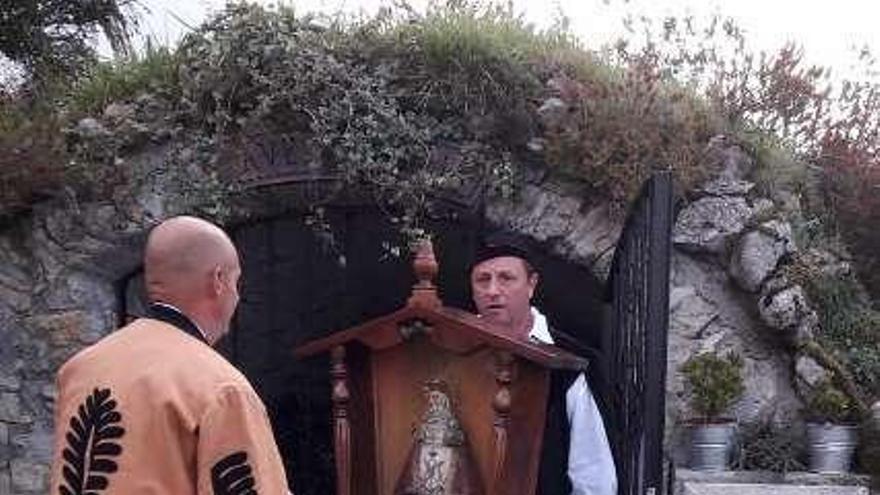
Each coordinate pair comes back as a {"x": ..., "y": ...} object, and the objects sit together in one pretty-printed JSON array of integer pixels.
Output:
[
  {"x": 88, "y": 457},
  {"x": 232, "y": 475}
]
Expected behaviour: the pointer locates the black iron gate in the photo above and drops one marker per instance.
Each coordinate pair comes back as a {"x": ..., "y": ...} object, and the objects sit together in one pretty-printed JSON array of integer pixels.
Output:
[{"x": 635, "y": 341}]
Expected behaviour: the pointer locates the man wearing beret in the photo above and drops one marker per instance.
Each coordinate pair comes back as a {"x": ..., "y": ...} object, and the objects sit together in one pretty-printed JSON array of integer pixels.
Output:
[{"x": 576, "y": 458}]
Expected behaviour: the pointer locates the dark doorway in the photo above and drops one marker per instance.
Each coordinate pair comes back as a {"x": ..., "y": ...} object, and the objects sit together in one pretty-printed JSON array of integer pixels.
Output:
[{"x": 299, "y": 286}]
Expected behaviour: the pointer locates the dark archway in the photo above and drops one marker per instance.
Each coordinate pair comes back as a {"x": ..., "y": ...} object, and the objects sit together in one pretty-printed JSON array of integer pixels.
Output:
[{"x": 297, "y": 287}]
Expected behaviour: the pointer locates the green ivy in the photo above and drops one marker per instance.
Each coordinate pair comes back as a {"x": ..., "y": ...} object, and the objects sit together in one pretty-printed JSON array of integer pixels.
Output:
[{"x": 378, "y": 117}]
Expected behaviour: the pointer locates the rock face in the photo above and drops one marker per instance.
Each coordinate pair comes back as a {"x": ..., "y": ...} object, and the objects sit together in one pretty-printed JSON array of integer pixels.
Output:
[
  {"x": 552, "y": 112},
  {"x": 758, "y": 253},
  {"x": 90, "y": 128},
  {"x": 582, "y": 233},
  {"x": 728, "y": 160},
  {"x": 709, "y": 224},
  {"x": 809, "y": 373},
  {"x": 783, "y": 310},
  {"x": 29, "y": 477},
  {"x": 11, "y": 410},
  {"x": 708, "y": 313},
  {"x": 727, "y": 187},
  {"x": 59, "y": 270},
  {"x": 725, "y": 290}
]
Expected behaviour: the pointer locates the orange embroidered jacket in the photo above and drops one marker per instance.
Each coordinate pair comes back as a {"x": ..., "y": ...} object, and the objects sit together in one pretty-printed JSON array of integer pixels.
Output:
[{"x": 151, "y": 409}]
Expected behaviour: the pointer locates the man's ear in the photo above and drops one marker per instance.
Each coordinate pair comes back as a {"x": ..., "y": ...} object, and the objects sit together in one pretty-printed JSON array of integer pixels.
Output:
[
  {"x": 216, "y": 281},
  {"x": 533, "y": 283}
]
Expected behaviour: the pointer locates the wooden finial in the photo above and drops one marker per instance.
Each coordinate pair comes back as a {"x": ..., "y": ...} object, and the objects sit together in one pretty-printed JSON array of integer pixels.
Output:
[
  {"x": 341, "y": 396},
  {"x": 424, "y": 292}
]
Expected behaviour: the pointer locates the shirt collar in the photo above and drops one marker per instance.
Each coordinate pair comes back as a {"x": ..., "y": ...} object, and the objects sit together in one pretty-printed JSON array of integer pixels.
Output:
[{"x": 540, "y": 332}]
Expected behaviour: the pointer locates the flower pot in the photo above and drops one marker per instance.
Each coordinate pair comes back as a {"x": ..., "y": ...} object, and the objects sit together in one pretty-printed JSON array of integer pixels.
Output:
[
  {"x": 711, "y": 445},
  {"x": 831, "y": 447}
]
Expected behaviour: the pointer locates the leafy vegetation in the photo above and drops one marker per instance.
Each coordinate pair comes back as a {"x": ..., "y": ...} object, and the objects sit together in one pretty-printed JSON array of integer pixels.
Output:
[
  {"x": 868, "y": 453},
  {"x": 770, "y": 447},
  {"x": 51, "y": 39},
  {"x": 849, "y": 324},
  {"x": 39, "y": 158},
  {"x": 154, "y": 70},
  {"x": 31, "y": 163},
  {"x": 816, "y": 134},
  {"x": 827, "y": 403},
  {"x": 410, "y": 106},
  {"x": 714, "y": 383},
  {"x": 850, "y": 327}
]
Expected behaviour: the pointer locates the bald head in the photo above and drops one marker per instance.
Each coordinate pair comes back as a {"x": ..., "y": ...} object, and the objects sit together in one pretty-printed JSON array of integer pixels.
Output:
[{"x": 192, "y": 264}]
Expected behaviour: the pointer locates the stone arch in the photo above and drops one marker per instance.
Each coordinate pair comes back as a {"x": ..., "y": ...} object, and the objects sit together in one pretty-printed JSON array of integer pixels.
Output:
[
  {"x": 60, "y": 268},
  {"x": 297, "y": 289}
]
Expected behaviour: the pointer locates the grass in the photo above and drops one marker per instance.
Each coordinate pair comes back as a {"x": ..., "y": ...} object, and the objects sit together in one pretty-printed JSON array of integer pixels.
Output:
[
  {"x": 155, "y": 70},
  {"x": 33, "y": 154},
  {"x": 469, "y": 59},
  {"x": 470, "y": 36},
  {"x": 777, "y": 167}
]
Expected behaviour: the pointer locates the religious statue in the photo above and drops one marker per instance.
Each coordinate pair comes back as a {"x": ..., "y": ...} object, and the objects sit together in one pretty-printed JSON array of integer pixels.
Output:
[{"x": 439, "y": 462}]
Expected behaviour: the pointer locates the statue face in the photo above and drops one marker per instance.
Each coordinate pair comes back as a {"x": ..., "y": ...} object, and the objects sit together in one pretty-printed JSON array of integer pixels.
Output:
[{"x": 502, "y": 291}]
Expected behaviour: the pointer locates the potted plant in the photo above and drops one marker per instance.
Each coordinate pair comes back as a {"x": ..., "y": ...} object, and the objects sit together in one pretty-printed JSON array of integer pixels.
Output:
[
  {"x": 832, "y": 429},
  {"x": 715, "y": 383}
]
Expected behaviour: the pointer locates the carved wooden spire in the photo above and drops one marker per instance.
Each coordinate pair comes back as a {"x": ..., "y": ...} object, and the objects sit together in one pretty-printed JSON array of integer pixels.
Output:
[{"x": 424, "y": 292}]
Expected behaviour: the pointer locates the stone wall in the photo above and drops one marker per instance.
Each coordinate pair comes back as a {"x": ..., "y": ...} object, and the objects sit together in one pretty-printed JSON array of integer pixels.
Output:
[
  {"x": 727, "y": 292},
  {"x": 62, "y": 265},
  {"x": 727, "y": 243},
  {"x": 57, "y": 295},
  {"x": 60, "y": 270},
  {"x": 766, "y": 483}
]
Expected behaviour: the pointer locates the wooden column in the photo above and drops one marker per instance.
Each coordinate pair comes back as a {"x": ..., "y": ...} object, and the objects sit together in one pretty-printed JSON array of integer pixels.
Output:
[
  {"x": 341, "y": 425},
  {"x": 501, "y": 404},
  {"x": 424, "y": 292}
]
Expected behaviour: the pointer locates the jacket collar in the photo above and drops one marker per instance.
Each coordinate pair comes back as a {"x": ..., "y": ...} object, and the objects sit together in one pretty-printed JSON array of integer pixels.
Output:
[{"x": 173, "y": 316}]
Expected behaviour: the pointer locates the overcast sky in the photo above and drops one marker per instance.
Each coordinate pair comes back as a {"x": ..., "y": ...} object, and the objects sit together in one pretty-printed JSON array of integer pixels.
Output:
[{"x": 827, "y": 29}]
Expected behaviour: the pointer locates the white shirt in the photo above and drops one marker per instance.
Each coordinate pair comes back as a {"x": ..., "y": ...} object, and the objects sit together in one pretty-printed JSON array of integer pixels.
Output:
[{"x": 590, "y": 464}]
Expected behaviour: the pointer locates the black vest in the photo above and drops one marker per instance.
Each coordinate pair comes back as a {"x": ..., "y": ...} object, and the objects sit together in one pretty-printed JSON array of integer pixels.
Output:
[{"x": 553, "y": 470}]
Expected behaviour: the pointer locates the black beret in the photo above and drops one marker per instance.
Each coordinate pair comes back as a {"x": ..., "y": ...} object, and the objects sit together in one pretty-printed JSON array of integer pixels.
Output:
[{"x": 501, "y": 244}]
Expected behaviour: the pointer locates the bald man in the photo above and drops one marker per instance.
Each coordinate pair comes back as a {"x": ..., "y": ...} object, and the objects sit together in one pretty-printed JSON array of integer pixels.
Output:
[{"x": 152, "y": 408}]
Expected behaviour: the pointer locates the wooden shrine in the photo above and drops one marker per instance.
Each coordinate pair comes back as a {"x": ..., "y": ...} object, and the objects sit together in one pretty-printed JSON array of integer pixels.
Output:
[{"x": 431, "y": 400}]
